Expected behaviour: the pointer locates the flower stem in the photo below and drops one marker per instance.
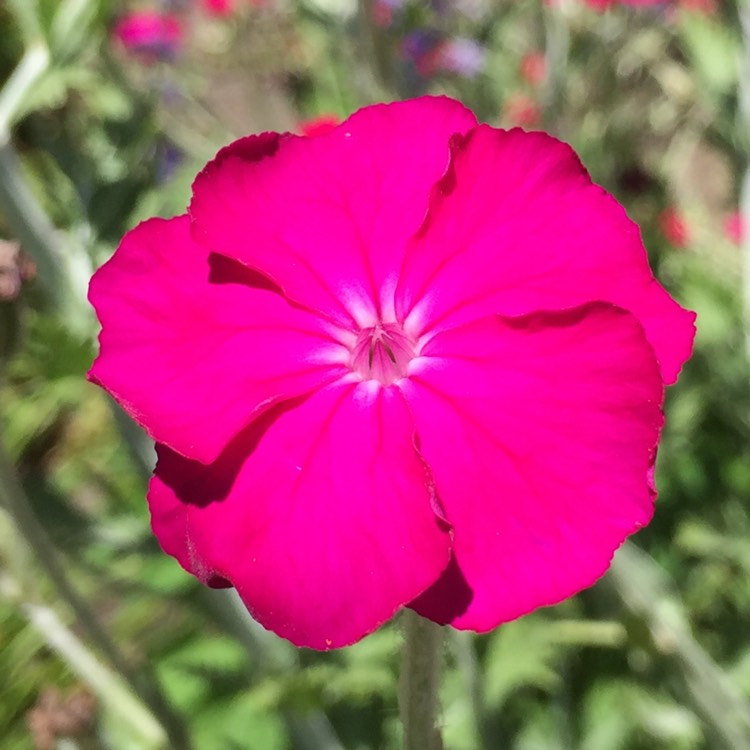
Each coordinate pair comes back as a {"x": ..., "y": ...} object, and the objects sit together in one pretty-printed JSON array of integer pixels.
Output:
[
  {"x": 420, "y": 680},
  {"x": 557, "y": 48},
  {"x": 743, "y": 126}
]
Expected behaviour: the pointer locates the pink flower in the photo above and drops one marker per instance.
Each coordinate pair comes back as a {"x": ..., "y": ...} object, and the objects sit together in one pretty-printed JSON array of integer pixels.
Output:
[
  {"x": 219, "y": 7},
  {"x": 674, "y": 227},
  {"x": 382, "y": 12},
  {"x": 223, "y": 8},
  {"x": 734, "y": 228},
  {"x": 601, "y": 5},
  {"x": 149, "y": 34},
  {"x": 415, "y": 361}
]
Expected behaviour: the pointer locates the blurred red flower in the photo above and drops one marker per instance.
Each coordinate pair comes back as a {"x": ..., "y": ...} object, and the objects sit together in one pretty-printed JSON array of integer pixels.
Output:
[
  {"x": 674, "y": 227},
  {"x": 224, "y": 8},
  {"x": 521, "y": 110},
  {"x": 734, "y": 228},
  {"x": 533, "y": 68},
  {"x": 319, "y": 125},
  {"x": 218, "y": 7}
]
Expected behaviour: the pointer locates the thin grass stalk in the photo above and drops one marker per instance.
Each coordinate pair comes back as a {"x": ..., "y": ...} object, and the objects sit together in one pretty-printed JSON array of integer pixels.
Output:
[
  {"x": 62, "y": 275},
  {"x": 743, "y": 129},
  {"x": 471, "y": 675},
  {"x": 556, "y": 51}
]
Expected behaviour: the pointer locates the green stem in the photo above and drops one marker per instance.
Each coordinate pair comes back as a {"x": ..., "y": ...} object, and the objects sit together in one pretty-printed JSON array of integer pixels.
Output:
[
  {"x": 374, "y": 66},
  {"x": 556, "y": 49},
  {"x": 743, "y": 126},
  {"x": 32, "y": 66},
  {"x": 26, "y": 13},
  {"x": 63, "y": 273},
  {"x": 420, "y": 682},
  {"x": 381, "y": 58}
]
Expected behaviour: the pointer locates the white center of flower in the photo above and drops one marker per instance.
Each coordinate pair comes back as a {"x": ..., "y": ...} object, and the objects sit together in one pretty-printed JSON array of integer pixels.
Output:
[{"x": 382, "y": 352}]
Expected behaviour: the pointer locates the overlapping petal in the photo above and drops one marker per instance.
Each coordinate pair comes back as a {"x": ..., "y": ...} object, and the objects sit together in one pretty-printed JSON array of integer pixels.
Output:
[
  {"x": 322, "y": 515},
  {"x": 518, "y": 226},
  {"x": 194, "y": 361},
  {"x": 328, "y": 218},
  {"x": 541, "y": 432}
]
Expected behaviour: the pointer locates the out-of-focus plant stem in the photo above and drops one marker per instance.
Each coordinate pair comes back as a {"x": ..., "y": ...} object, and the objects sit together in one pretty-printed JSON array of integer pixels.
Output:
[
  {"x": 420, "y": 682},
  {"x": 646, "y": 592},
  {"x": 743, "y": 124},
  {"x": 589, "y": 632},
  {"x": 37, "y": 547},
  {"x": 378, "y": 72},
  {"x": 31, "y": 67},
  {"x": 62, "y": 276},
  {"x": 556, "y": 48},
  {"x": 471, "y": 674},
  {"x": 26, "y": 13}
]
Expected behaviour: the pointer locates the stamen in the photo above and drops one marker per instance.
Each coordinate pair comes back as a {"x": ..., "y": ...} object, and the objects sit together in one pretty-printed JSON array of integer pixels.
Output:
[{"x": 382, "y": 353}]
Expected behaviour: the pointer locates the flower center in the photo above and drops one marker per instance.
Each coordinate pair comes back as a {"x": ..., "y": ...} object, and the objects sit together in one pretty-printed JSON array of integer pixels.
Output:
[{"x": 382, "y": 353}]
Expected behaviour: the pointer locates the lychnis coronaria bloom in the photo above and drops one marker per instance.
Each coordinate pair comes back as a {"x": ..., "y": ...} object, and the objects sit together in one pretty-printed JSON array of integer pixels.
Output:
[{"x": 413, "y": 361}]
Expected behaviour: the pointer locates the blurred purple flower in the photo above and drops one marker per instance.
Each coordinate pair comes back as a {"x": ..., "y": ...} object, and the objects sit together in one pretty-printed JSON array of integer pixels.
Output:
[
  {"x": 423, "y": 48},
  {"x": 433, "y": 54},
  {"x": 168, "y": 159},
  {"x": 463, "y": 56}
]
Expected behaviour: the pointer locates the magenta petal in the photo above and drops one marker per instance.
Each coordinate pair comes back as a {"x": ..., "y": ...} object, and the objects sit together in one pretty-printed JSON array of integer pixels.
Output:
[
  {"x": 541, "y": 433},
  {"x": 328, "y": 218},
  {"x": 518, "y": 226},
  {"x": 193, "y": 362},
  {"x": 325, "y": 525},
  {"x": 169, "y": 515}
]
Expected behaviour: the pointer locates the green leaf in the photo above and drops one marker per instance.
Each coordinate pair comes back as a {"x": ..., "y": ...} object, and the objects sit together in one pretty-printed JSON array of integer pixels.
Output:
[
  {"x": 713, "y": 49},
  {"x": 520, "y": 654}
]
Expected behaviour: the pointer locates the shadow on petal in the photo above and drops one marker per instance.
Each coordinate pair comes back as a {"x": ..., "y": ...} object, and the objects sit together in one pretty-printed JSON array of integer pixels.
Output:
[
  {"x": 200, "y": 484},
  {"x": 448, "y": 598},
  {"x": 224, "y": 270}
]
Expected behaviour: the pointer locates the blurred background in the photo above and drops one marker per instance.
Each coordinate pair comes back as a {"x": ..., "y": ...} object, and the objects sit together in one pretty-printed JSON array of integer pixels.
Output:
[{"x": 107, "y": 111}]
